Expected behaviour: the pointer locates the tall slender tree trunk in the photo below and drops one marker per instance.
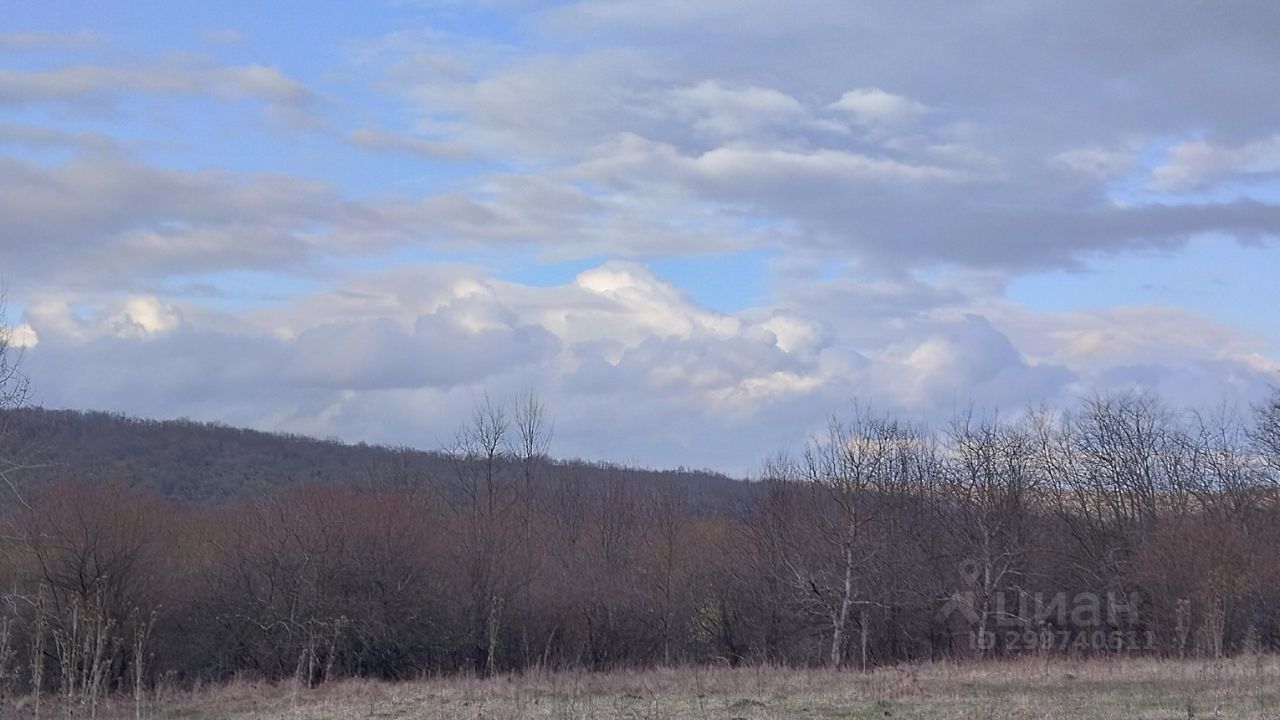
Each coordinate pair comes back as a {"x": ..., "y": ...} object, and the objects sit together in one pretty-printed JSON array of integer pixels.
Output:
[
  {"x": 491, "y": 657},
  {"x": 842, "y": 617},
  {"x": 862, "y": 621}
]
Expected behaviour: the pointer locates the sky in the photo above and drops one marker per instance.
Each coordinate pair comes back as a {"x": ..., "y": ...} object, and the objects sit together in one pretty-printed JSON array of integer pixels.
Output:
[{"x": 695, "y": 230}]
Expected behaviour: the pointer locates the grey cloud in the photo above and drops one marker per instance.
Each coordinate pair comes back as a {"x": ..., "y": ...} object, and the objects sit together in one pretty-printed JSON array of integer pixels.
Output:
[
  {"x": 903, "y": 135},
  {"x": 181, "y": 365},
  {"x": 389, "y": 358},
  {"x": 104, "y": 220},
  {"x": 1198, "y": 164},
  {"x": 385, "y": 140},
  {"x": 378, "y": 354},
  {"x": 283, "y": 98},
  {"x": 1036, "y": 237},
  {"x": 39, "y": 136},
  {"x": 925, "y": 152},
  {"x": 1209, "y": 383},
  {"x": 656, "y": 150},
  {"x": 694, "y": 365},
  {"x": 35, "y": 40},
  {"x": 902, "y": 214},
  {"x": 1091, "y": 64},
  {"x": 965, "y": 360}
]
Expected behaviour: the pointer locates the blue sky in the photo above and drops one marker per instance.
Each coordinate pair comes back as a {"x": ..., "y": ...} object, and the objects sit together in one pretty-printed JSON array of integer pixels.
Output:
[
  {"x": 1222, "y": 280},
  {"x": 730, "y": 219}
]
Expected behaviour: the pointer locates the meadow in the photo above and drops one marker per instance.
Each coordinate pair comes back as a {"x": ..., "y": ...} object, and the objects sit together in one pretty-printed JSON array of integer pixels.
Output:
[{"x": 1030, "y": 689}]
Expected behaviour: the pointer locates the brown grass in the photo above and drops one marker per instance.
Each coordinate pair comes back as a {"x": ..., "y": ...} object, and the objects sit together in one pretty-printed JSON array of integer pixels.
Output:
[{"x": 1137, "y": 689}]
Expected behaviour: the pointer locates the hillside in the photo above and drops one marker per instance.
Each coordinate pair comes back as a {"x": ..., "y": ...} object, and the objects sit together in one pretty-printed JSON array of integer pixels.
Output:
[
  {"x": 1134, "y": 530},
  {"x": 208, "y": 462}
]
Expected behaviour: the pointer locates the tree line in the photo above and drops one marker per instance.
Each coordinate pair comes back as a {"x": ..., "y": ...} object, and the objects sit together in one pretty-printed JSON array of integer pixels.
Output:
[{"x": 878, "y": 541}]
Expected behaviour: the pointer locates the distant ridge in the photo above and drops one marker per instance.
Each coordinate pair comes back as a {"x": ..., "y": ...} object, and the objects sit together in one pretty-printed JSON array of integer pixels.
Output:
[{"x": 203, "y": 462}]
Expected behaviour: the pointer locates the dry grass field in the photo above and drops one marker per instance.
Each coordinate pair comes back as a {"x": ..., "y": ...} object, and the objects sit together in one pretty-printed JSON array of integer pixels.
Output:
[{"x": 1133, "y": 689}]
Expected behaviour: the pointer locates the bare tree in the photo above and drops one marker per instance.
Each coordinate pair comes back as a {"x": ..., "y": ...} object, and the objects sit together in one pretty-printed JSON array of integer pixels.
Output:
[
  {"x": 14, "y": 386},
  {"x": 486, "y": 501},
  {"x": 668, "y": 549},
  {"x": 530, "y": 446},
  {"x": 989, "y": 488},
  {"x": 1265, "y": 433},
  {"x": 847, "y": 471},
  {"x": 1107, "y": 473},
  {"x": 534, "y": 430},
  {"x": 15, "y": 390}
]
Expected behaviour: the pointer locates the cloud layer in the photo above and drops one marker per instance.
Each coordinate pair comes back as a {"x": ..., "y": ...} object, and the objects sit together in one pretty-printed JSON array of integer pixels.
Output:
[
  {"x": 634, "y": 369},
  {"x": 362, "y": 243}
]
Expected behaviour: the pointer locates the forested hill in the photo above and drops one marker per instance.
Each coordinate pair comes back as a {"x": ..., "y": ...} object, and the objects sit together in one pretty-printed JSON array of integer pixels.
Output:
[{"x": 206, "y": 462}]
